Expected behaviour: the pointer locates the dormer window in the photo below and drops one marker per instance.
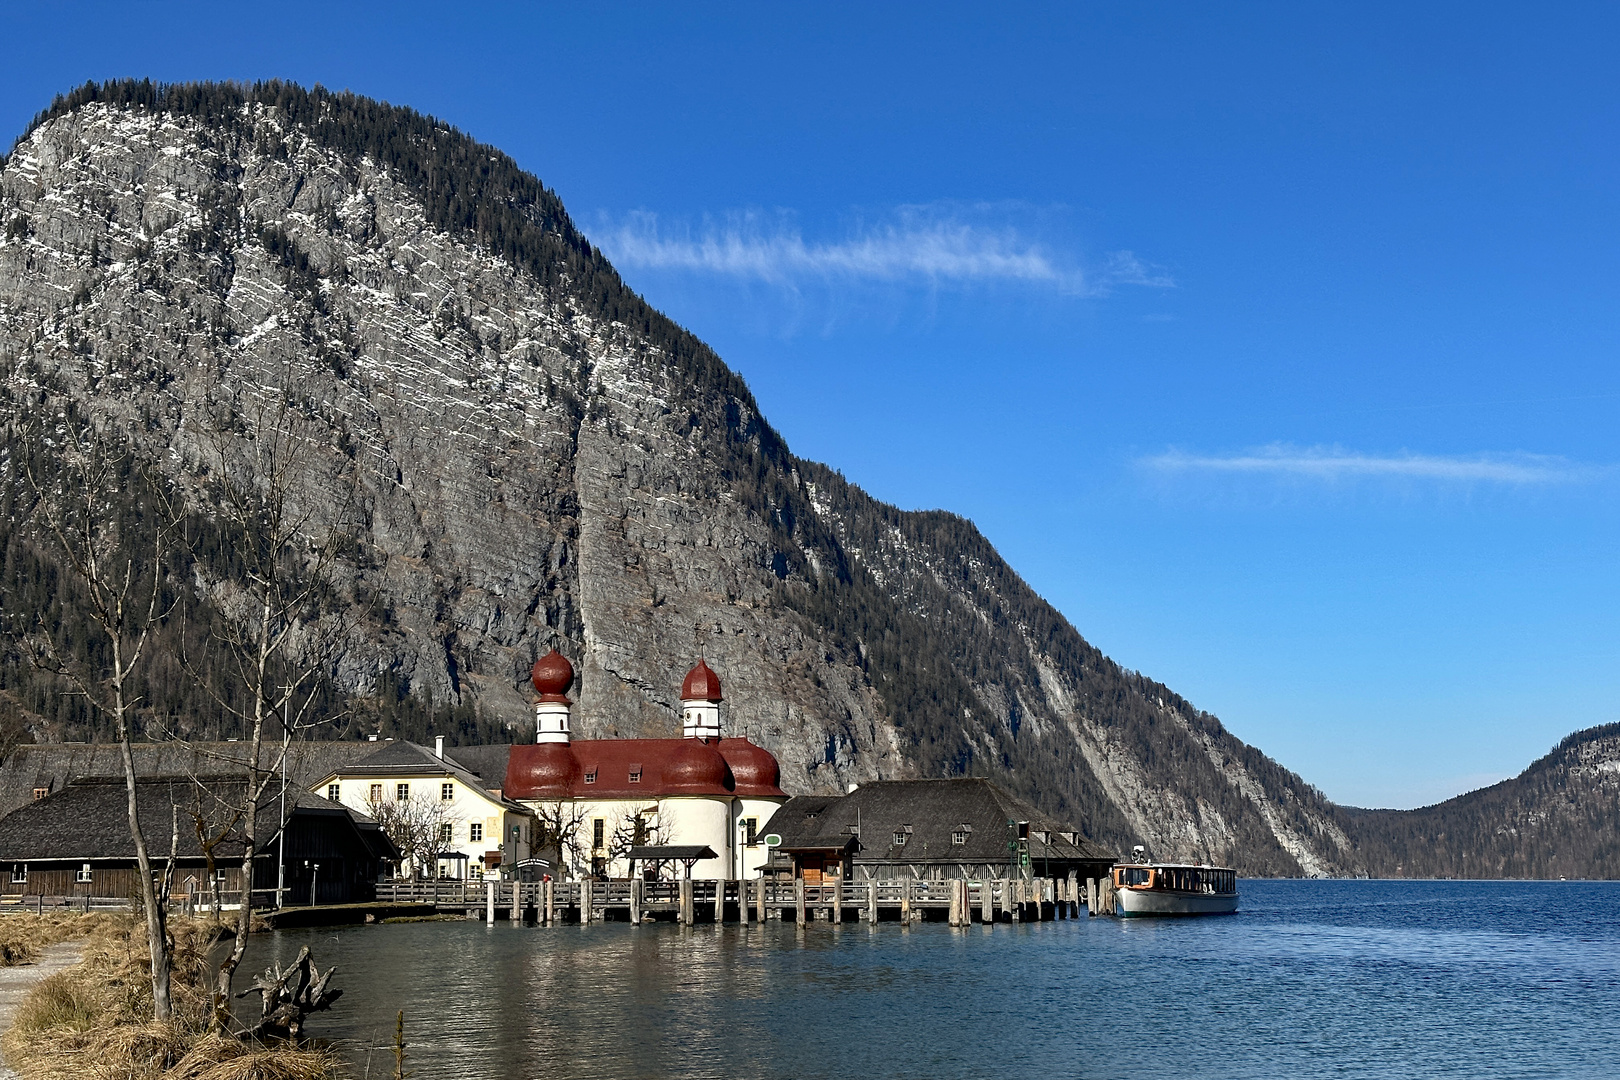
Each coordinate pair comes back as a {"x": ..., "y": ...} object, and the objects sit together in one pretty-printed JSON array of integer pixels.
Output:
[
  {"x": 899, "y": 839},
  {"x": 590, "y": 775},
  {"x": 41, "y": 792},
  {"x": 959, "y": 837},
  {"x": 635, "y": 774}
]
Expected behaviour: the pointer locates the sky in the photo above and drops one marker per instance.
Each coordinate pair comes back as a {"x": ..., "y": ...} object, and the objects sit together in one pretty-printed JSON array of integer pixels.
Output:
[{"x": 1274, "y": 344}]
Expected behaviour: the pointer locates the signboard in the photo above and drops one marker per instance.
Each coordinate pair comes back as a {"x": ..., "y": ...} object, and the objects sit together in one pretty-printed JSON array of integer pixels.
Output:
[{"x": 773, "y": 839}]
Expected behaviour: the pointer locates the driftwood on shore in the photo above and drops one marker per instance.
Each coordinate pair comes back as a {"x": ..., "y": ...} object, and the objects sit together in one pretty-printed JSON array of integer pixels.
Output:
[{"x": 289, "y": 995}]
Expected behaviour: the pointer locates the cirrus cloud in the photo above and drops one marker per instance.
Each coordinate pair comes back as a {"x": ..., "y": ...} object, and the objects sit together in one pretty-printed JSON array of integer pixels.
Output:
[
  {"x": 1333, "y": 464},
  {"x": 935, "y": 245}
]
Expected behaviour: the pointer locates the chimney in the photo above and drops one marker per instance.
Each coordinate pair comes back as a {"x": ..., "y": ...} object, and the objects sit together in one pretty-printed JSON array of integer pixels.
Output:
[{"x": 438, "y": 746}]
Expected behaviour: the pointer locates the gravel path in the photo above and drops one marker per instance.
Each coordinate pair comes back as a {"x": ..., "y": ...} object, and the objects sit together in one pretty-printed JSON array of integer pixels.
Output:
[{"x": 15, "y": 982}]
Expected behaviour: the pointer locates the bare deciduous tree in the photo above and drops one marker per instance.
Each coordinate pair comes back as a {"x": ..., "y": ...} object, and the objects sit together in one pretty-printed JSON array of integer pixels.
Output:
[
  {"x": 416, "y": 826},
  {"x": 82, "y": 479},
  {"x": 559, "y": 827},
  {"x": 261, "y": 483}
]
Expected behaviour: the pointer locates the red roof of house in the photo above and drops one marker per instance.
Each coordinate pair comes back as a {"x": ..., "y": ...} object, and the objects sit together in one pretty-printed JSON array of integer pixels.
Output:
[{"x": 647, "y": 768}]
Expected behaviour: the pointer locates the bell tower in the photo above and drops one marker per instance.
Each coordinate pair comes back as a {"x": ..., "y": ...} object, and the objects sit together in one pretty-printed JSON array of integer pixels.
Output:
[
  {"x": 552, "y": 676},
  {"x": 700, "y": 703}
]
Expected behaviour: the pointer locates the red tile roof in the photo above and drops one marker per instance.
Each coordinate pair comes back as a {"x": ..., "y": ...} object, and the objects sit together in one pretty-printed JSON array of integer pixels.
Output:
[{"x": 602, "y": 768}]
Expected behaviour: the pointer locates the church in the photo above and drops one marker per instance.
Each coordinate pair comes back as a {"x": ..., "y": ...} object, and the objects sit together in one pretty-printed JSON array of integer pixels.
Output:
[{"x": 618, "y": 802}]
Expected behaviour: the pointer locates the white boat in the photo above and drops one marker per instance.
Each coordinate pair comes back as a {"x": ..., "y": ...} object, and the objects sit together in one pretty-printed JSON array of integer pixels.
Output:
[{"x": 1174, "y": 889}]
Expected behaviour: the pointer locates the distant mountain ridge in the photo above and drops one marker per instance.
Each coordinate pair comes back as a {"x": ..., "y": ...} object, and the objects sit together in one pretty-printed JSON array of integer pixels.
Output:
[{"x": 542, "y": 460}]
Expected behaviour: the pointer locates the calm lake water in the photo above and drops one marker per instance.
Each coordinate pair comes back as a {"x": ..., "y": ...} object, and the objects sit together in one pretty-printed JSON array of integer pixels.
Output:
[{"x": 1312, "y": 978}]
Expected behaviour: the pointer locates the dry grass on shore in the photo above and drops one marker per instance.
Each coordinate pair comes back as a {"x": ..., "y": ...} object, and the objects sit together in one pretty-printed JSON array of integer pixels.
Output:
[
  {"x": 94, "y": 1020},
  {"x": 24, "y": 935}
]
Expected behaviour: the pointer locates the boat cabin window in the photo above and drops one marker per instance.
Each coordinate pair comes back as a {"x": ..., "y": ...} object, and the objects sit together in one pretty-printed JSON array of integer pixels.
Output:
[{"x": 1134, "y": 875}]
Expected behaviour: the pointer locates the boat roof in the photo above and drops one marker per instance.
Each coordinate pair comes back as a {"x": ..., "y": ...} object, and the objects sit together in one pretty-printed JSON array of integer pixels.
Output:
[{"x": 1175, "y": 866}]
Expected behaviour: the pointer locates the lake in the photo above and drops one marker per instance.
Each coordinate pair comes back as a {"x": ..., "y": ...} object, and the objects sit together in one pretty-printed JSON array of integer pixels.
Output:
[{"x": 1310, "y": 979}]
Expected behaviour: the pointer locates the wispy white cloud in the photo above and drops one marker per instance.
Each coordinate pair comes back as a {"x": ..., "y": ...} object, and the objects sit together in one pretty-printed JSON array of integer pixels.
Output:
[
  {"x": 1331, "y": 464},
  {"x": 933, "y": 245}
]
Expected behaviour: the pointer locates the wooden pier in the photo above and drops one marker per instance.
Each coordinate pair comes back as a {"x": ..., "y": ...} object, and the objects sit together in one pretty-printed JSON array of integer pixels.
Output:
[{"x": 688, "y": 901}]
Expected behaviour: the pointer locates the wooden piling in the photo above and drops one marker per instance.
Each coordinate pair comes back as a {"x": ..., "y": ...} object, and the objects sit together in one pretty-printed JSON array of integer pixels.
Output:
[
  {"x": 719, "y": 900},
  {"x": 987, "y": 901},
  {"x": 688, "y": 908},
  {"x": 838, "y": 900},
  {"x": 871, "y": 901},
  {"x": 759, "y": 899},
  {"x": 489, "y": 902},
  {"x": 587, "y": 899},
  {"x": 953, "y": 916},
  {"x": 905, "y": 900},
  {"x": 798, "y": 900},
  {"x": 635, "y": 899}
]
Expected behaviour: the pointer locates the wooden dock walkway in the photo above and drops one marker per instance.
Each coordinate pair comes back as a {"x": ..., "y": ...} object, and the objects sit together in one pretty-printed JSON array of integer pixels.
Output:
[{"x": 689, "y": 901}]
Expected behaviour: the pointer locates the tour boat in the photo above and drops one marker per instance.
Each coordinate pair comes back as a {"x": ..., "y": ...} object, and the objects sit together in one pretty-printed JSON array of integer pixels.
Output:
[{"x": 1174, "y": 889}]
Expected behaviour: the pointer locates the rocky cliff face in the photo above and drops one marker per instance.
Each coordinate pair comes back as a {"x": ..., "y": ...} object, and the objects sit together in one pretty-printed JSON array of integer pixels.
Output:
[{"x": 538, "y": 460}]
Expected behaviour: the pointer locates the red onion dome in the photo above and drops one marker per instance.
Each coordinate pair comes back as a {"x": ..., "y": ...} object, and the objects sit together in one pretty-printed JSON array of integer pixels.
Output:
[
  {"x": 695, "y": 767},
  {"x": 552, "y": 676},
  {"x": 541, "y": 771},
  {"x": 753, "y": 768},
  {"x": 701, "y": 684}
]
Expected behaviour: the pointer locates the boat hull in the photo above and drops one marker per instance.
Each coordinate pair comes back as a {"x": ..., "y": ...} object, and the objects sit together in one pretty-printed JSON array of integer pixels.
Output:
[{"x": 1130, "y": 902}]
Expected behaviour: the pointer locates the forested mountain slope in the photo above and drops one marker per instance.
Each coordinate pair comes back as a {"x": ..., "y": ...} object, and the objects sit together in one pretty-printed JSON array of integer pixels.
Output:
[
  {"x": 1558, "y": 818},
  {"x": 521, "y": 454}
]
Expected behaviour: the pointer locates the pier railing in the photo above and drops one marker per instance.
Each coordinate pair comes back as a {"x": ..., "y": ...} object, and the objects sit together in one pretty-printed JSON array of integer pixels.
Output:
[{"x": 691, "y": 900}]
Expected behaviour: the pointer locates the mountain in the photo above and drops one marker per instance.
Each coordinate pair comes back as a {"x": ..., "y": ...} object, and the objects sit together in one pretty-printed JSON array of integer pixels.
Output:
[
  {"x": 1558, "y": 818},
  {"x": 528, "y": 455}
]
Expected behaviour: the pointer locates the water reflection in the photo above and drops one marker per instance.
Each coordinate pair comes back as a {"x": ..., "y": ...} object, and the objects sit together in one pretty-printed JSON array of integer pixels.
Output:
[{"x": 1312, "y": 979}]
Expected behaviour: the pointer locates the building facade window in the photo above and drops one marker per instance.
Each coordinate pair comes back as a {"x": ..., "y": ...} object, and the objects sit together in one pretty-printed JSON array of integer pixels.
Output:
[
  {"x": 751, "y": 831},
  {"x": 332, "y": 791},
  {"x": 19, "y": 873},
  {"x": 598, "y": 833},
  {"x": 447, "y": 792},
  {"x": 447, "y": 833},
  {"x": 376, "y": 793},
  {"x": 402, "y": 792},
  {"x": 475, "y": 832},
  {"x": 83, "y": 876}
]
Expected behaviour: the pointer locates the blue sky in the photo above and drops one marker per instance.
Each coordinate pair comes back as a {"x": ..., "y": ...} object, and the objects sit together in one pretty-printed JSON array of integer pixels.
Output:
[{"x": 1274, "y": 346}]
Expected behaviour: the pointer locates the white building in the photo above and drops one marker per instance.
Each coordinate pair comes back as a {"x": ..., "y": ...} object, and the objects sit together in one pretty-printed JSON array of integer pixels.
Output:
[
  {"x": 473, "y": 830},
  {"x": 702, "y": 789}
]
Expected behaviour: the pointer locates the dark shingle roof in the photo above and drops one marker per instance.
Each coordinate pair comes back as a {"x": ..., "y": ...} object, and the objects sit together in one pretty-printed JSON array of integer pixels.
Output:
[
  {"x": 89, "y": 818},
  {"x": 52, "y": 766},
  {"x": 927, "y": 813}
]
